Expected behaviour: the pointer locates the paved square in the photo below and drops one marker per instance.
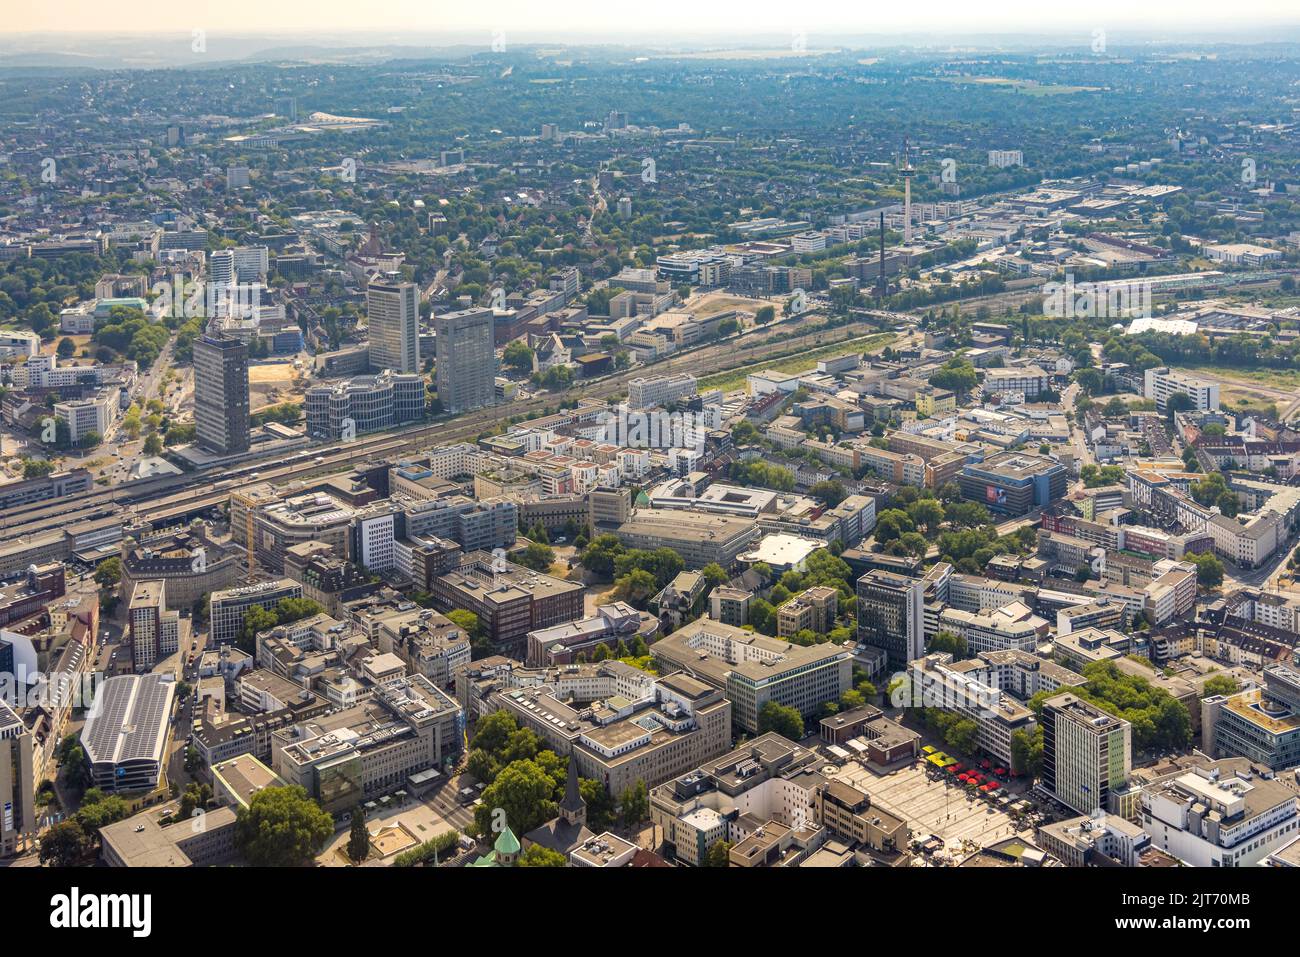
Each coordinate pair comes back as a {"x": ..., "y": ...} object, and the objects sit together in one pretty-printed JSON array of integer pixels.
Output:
[{"x": 932, "y": 807}]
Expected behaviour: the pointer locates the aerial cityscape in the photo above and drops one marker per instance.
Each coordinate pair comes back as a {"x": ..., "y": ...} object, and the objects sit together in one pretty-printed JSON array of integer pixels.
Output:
[{"x": 792, "y": 451}]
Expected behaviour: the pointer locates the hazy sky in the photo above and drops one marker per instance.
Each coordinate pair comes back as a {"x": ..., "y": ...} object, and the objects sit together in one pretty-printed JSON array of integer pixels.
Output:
[{"x": 559, "y": 20}]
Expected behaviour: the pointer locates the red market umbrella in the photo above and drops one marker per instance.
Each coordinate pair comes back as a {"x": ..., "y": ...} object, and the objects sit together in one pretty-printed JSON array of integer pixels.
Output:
[{"x": 986, "y": 763}]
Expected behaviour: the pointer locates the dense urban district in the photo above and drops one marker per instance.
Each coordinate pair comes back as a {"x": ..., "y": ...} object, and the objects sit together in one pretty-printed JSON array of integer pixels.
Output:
[{"x": 593, "y": 457}]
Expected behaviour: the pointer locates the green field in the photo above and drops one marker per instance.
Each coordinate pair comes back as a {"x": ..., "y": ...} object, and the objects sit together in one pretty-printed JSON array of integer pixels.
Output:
[
  {"x": 1282, "y": 379},
  {"x": 1027, "y": 87},
  {"x": 735, "y": 378}
]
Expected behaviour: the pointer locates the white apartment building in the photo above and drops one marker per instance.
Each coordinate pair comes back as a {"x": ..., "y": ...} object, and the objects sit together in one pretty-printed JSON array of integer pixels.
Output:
[
  {"x": 221, "y": 267},
  {"x": 977, "y": 593},
  {"x": 1171, "y": 592},
  {"x": 19, "y": 343},
  {"x": 1246, "y": 544},
  {"x": 251, "y": 263},
  {"x": 1242, "y": 254},
  {"x": 1012, "y": 626},
  {"x": 810, "y": 242},
  {"x": 1004, "y": 158},
  {"x": 86, "y": 416},
  {"x": 1029, "y": 380},
  {"x": 1162, "y": 382},
  {"x": 645, "y": 393}
]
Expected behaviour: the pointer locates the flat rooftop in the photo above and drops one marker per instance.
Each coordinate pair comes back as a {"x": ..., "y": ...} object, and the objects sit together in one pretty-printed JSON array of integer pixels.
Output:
[{"x": 244, "y": 776}]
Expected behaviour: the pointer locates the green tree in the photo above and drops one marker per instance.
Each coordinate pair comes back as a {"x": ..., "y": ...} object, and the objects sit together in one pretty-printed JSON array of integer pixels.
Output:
[
  {"x": 957, "y": 375},
  {"x": 518, "y": 356},
  {"x": 109, "y": 572},
  {"x": 99, "y": 810},
  {"x": 536, "y": 555},
  {"x": 600, "y": 805},
  {"x": 950, "y": 642},
  {"x": 428, "y": 851},
  {"x": 538, "y": 856},
  {"x": 912, "y": 543},
  {"x": 718, "y": 854},
  {"x": 1027, "y": 752},
  {"x": 963, "y": 735},
  {"x": 636, "y": 588},
  {"x": 1209, "y": 570},
  {"x": 831, "y": 491},
  {"x": 1219, "y": 684},
  {"x": 1178, "y": 402},
  {"x": 762, "y": 616},
  {"x": 524, "y": 791},
  {"x": 282, "y": 827},
  {"x": 257, "y": 619},
  {"x": 927, "y": 512},
  {"x": 852, "y": 699},
  {"x": 634, "y": 805},
  {"x": 784, "y": 720},
  {"x": 892, "y": 523},
  {"x": 601, "y": 553},
  {"x": 64, "y": 844},
  {"x": 714, "y": 575},
  {"x": 359, "y": 837},
  {"x": 966, "y": 514},
  {"x": 37, "y": 468},
  {"x": 557, "y": 378},
  {"x": 465, "y": 620}
]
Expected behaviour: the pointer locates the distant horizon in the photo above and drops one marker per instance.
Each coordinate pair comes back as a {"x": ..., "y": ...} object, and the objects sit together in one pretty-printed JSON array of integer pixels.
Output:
[{"x": 634, "y": 20}]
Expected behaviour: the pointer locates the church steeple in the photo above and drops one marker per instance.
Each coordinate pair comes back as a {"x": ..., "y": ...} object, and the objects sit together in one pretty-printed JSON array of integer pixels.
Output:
[{"x": 573, "y": 809}]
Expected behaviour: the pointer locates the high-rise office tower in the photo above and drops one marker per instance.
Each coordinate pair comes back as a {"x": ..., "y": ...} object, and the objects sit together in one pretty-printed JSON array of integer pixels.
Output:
[
  {"x": 1087, "y": 753},
  {"x": 17, "y": 802},
  {"x": 393, "y": 314},
  {"x": 891, "y": 615},
  {"x": 221, "y": 267},
  {"x": 221, "y": 394},
  {"x": 467, "y": 364}
]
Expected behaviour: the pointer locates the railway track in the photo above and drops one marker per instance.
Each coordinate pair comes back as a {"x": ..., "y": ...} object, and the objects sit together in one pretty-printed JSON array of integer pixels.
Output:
[{"x": 193, "y": 492}]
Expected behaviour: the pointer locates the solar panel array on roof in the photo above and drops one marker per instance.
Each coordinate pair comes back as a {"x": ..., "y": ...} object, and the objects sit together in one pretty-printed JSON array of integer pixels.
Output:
[{"x": 128, "y": 721}]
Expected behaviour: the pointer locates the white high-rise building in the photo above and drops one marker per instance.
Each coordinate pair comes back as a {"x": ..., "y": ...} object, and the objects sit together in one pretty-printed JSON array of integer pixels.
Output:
[
  {"x": 251, "y": 263},
  {"x": 1087, "y": 754},
  {"x": 393, "y": 314},
  {"x": 221, "y": 267},
  {"x": 1163, "y": 382}
]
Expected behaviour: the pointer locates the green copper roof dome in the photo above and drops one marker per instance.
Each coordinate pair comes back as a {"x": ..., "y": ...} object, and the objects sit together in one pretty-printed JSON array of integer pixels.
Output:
[{"x": 507, "y": 843}]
